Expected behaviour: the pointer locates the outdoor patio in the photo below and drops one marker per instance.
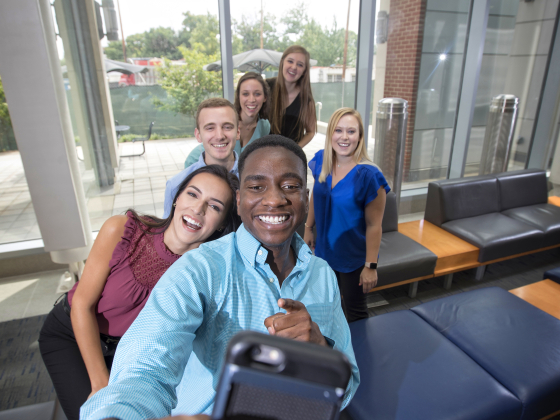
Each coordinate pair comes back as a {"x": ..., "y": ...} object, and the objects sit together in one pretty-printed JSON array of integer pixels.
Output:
[{"x": 140, "y": 184}]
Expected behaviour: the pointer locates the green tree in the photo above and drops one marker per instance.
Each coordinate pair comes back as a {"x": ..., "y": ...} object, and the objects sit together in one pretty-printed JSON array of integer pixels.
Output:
[
  {"x": 204, "y": 37},
  {"x": 327, "y": 45},
  {"x": 137, "y": 45},
  {"x": 114, "y": 51},
  {"x": 161, "y": 42},
  {"x": 189, "y": 85},
  {"x": 249, "y": 33},
  {"x": 295, "y": 20},
  {"x": 5, "y": 122},
  {"x": 189, "y": 24}
]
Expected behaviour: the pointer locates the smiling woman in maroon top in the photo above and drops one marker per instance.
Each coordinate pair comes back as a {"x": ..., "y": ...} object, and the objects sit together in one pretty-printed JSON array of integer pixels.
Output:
[{"x": 130, "y": 254}]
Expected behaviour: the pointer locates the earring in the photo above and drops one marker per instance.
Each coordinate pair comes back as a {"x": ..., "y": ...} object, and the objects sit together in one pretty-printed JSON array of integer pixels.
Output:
[
  {"x": 174, "y": 204},
  {"x": 220, "y": 229}
]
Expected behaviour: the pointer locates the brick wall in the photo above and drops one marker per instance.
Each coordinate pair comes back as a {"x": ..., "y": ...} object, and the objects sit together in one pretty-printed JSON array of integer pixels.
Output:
[{"x": 404, "y": 48}]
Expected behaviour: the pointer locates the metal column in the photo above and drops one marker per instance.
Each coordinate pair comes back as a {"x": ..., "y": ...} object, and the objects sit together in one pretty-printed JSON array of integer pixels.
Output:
[
  {"x": 499, "y": 134},
  {"x": 364, "y": 63},
  {"x": 478, "y": 22},
  {"x": 226, "y": 50},
  {"x": 76, "y": 19},
  {"x": 390, "y": 138}
]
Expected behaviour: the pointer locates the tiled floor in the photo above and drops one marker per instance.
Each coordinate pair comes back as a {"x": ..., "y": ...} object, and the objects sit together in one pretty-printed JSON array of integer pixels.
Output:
[{"x": 28, "y": 295}]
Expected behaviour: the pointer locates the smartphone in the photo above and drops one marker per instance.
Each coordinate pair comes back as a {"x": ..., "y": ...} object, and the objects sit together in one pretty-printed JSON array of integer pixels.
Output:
[{"x": 271, "y": 378}]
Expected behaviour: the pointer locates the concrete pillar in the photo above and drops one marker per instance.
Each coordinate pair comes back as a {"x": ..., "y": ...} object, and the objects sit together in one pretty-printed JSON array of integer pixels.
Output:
[{"x": 34, "y": 89}]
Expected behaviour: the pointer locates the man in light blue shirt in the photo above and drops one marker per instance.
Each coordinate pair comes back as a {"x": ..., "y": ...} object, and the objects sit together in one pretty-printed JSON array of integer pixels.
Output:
[
  {"x": 217, "y": 130},
  {"x": 262, "y": 277}
]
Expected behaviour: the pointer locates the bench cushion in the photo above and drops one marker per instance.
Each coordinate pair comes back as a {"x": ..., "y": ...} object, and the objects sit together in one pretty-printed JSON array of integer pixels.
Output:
[
  {"x": 553, "y": 274},
  {"x": 496, "y": 235},
  {"x": 453, "y": 199},
  {"x": 522, "y": 188},
  {"x": 410, "y": 371},
  {"x": 401, "y": 258},
  {"x": 515, "y": 342},
  {"x": 390, "y": 222},
  {"x": 545, "y": 217}
]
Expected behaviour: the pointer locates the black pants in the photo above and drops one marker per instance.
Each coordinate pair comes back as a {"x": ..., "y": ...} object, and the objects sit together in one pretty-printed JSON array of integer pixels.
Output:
[
  {"x": 64, "y": 362},
  {"x": 354, "y": 300}
]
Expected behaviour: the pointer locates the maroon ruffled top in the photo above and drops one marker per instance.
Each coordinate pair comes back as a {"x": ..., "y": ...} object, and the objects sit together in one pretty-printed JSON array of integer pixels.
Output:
[{"x": 138, "y": 262}]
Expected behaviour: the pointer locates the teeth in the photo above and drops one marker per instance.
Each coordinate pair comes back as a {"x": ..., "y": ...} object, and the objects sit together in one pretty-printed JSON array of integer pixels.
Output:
[
  {"x": 275, "y": 220},
  {"x": 344, "y": 144},
  {"x": 219, "y": 145},
  {"x": 191, "y": 222}
]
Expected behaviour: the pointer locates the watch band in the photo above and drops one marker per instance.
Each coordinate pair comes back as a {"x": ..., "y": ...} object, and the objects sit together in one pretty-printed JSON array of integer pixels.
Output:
[{"x": 372, "y": 265}]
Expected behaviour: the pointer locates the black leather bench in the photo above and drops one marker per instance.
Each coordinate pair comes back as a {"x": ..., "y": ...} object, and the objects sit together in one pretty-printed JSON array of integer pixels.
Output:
[
  {"x": 400, "y": 258},
  {"x": 502, "y": 214}
]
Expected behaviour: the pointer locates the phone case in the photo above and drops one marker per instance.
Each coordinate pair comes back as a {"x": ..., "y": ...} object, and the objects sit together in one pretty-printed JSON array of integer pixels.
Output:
[{"x": 307, "y": 382}]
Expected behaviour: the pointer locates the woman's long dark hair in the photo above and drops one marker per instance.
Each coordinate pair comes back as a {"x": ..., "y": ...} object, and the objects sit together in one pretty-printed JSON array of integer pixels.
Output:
[
  {"x": 263, "y": 112},
  {"x": 154, "y": 225},
  {"x": 280, "y": 96}
]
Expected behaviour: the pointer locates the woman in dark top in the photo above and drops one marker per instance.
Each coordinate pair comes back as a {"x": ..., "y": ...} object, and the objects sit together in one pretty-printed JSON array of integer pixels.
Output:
[
  {"x": 293, "y": 106},
  {"x": 130, "y": 254}
]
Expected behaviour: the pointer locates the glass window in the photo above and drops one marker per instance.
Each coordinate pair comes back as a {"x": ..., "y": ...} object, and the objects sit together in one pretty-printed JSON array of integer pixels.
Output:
[
  {"x": 319, "y": 29},
  {"x": 421, "y": 62},
  {"x": 17, "y": 217},
  {"x": 518, "y": 39},
  {"x": 154, "y": 75}
]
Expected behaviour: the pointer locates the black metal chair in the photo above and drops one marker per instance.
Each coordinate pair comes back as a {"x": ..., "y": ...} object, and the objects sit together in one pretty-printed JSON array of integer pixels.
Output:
[{"x": 142, "y": 140}]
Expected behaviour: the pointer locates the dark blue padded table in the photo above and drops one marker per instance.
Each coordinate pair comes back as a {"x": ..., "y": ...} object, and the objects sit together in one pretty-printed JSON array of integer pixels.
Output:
[
  {"x": 484, "y": 354},
  {"x": 553, "y": 274},
  {"x": 408, "y": 370},
  {"x": 515, "y": 342}
]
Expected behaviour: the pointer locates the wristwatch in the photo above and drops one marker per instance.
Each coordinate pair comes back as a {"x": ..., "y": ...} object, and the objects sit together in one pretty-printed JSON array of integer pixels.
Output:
[{"x": 373, "y": 266}]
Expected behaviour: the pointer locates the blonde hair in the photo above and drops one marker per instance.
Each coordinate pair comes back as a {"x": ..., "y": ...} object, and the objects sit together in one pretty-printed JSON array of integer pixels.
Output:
[
  {"x": 280, "y": 95},
  {"x": 329, "y": 157}
]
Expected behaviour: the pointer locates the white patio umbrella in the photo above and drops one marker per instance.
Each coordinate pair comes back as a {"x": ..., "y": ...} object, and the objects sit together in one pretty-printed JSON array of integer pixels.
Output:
[
  {"x": 125, "y": 68},
  {"x": 255, "y": 60}
]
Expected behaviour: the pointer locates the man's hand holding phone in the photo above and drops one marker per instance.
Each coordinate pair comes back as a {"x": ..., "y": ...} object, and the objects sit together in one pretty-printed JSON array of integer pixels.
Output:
[{"x": 296, "y": 323}]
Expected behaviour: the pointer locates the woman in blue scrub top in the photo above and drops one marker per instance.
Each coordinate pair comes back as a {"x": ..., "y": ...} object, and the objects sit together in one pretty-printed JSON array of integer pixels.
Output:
[{"x": 347, "y": 206}]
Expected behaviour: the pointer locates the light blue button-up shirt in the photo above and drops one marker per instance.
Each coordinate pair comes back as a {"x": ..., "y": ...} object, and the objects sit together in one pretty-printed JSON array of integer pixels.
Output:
[
  {"x": 170, "y": 359},
  {"x": 172, "y": 185}
]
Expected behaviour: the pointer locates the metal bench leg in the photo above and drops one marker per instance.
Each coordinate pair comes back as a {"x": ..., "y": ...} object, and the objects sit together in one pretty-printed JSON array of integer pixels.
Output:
[
  {"x": 447, "y": 281},
  {"x": 480, "y": 272},
  {"x": 412, "y": 289}
]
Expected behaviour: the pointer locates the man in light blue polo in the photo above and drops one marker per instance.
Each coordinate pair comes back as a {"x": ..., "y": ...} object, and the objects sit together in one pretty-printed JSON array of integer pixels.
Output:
[
  {"x": 217, "y": 130},
  {"x": 262, "y": 278}
]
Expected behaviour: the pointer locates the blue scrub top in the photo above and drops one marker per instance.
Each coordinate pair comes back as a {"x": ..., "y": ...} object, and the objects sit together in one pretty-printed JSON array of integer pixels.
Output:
[{"x": 340, "y": 213}]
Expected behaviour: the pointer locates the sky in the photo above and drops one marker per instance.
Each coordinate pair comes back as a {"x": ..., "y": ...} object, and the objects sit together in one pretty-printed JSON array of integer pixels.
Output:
[{"x": 141, "y": 15}]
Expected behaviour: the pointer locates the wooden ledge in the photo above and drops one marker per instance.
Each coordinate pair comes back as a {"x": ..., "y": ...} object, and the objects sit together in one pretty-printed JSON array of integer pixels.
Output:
[
  {"x": 544, "y": 294},
  {"x": 400, "y": 283},
  {"x": 554, "y": 200},
  {"x": 453, "y": 253}
]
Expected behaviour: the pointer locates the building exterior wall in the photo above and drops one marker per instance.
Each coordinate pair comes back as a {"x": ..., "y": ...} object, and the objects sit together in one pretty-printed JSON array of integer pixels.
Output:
[{"x": 402, "y": 66}]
